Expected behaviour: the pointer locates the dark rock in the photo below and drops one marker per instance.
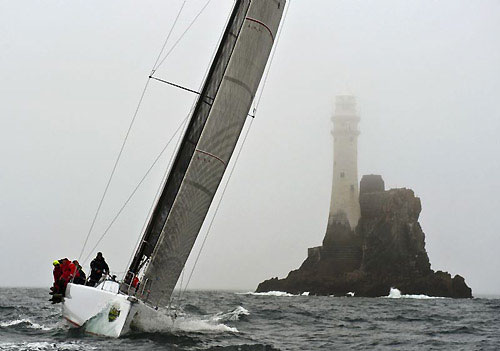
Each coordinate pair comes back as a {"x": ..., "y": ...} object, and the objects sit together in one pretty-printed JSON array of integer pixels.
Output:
[
  {"x": 371, "y": 183},
  {"x": 386, "y": 250}
]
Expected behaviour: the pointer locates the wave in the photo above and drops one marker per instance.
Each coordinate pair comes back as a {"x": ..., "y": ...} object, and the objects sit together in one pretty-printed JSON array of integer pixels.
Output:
[
  {"x": 269, "y": 293},
  {"x": 231, "y": 316},
  {"x": 24, "y": 323},
  {"x": 44, "y": 345},
  {"x": 396, "y": 294}
]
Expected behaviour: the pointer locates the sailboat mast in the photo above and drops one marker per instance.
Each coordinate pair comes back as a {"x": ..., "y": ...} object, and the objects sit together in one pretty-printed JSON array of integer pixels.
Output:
[
  {"x": 193, "y": 131},
  {"x": 207, "y": 146}
]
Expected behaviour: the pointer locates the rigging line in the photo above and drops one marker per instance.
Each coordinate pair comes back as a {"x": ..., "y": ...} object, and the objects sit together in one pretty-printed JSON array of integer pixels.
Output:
[
  {"x": 114, "y": 168},
  {"x": 217, "y": 208},
  {"x": 158, "y": 192},
  {"x": 168, "y": 37},
  {"x": 127, "y": 135},
  {"x": 177, "y": 86},
  {"x": 180, "y": 287},
  {"x": 182, "y": 35},
  {"x": 135, "y": 189}
]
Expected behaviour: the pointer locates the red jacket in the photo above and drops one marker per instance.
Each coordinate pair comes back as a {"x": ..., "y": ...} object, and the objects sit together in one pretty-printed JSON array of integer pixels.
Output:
[
  {"x": 72, "y": 269},
  {"x": 68, "y": 269},
  {"x": 57, "y": 272}
]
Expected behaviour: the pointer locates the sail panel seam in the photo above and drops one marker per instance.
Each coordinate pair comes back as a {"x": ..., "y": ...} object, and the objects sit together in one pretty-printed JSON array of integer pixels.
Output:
[
  {"x": 262, "y": 24},
  {"x": 212, "y": 155},
  {"x": 241, "y": 84},
  {"x": 199, "y": 187}
]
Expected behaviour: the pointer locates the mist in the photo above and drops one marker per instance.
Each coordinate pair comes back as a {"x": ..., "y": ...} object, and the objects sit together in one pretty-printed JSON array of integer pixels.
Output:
[{"x": 426, "y": 76}]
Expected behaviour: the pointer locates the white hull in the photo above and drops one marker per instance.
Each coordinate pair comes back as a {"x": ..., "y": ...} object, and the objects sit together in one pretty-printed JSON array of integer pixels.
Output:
[{"x": 101, "y": 310}]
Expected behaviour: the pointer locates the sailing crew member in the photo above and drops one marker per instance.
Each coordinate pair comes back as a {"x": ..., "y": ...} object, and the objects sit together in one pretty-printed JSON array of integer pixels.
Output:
[
  {"x": 135, "y": 283},
  {"x": 62, "y": 272},
  {"x": 80, "y": 276},
  {"x": 98, "y": 267},
  {"x": 68, "y": 272},
  {"x": 57, "y": 272},
  {"x": 55, "y": 288}
]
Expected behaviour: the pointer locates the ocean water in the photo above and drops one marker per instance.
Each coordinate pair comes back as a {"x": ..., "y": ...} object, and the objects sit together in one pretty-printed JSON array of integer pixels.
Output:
[{"x": 222, "y": 320}]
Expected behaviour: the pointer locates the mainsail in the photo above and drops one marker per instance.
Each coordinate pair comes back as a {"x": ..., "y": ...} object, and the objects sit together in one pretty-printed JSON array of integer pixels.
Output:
[{"x": 211, "y": 136}]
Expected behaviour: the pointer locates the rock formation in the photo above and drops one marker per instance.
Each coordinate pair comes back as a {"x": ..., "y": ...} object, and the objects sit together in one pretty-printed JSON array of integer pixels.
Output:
[{"x": 386, "y": 249}]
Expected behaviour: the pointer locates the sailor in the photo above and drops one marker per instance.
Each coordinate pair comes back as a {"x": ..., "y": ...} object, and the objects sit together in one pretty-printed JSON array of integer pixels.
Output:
[
  {"x": 57, "y": 272},
  {"x": 68, "y": 271},
  {"x": 80, "y": 276},
  {"x": 57, "y": 290},
  {"x": 135, "y": 283},
  {"x": 98, "y": 267}
]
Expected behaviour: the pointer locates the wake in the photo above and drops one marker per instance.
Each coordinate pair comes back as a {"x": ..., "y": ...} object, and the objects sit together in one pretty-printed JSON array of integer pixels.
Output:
[{"x": 164, "y": 322}]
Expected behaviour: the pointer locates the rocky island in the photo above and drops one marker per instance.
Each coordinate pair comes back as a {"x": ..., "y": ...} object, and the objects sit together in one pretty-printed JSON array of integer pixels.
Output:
[{"x": 385, "y": 250}]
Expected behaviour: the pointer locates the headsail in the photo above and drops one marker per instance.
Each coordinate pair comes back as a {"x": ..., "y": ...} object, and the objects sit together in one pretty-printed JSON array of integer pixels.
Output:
[{"x": 207, "y": 146}]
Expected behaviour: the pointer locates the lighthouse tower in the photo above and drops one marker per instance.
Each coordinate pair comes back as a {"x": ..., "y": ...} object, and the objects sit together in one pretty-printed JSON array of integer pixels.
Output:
[{"x": 344, "y": 205}]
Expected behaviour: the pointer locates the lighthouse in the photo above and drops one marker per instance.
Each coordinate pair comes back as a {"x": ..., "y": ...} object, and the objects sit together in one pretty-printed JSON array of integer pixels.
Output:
[{"x": 344, "y": 205}]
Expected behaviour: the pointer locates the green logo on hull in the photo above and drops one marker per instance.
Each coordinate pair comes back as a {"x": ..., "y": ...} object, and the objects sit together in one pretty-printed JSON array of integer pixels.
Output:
[{"x": 113, "y": 313}]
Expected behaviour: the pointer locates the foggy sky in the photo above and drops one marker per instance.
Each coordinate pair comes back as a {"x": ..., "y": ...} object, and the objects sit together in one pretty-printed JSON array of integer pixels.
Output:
[{"x": 426, "y": 75}]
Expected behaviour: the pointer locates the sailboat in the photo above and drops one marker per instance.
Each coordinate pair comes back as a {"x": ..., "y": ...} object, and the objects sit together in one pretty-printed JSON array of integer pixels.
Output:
[{"x": 193, "y": 179}]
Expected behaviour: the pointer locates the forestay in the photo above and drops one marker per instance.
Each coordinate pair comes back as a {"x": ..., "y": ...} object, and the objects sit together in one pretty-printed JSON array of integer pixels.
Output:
[{"x": 207, "y": 146}]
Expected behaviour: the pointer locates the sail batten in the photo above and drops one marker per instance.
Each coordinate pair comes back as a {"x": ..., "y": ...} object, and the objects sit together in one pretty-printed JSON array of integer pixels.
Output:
[{"x": 208, "y": 144}]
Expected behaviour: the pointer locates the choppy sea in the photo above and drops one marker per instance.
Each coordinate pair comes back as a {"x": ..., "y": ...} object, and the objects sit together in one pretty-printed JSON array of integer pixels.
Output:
[{"x": 222, "y": 320}]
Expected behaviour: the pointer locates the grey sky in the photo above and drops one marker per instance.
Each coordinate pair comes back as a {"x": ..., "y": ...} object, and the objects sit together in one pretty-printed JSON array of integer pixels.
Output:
[{"x": 426, "y": 75}]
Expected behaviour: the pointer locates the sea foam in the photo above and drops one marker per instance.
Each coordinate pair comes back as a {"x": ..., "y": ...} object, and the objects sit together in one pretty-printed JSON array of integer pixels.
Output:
[
  {"x": 43, "y": 346},
  {"x": 396, "y": 294},
  {"x": 24, "y": 322},
  {"x": 230, "y": 316},
  {"x": 163, "y": 322}
]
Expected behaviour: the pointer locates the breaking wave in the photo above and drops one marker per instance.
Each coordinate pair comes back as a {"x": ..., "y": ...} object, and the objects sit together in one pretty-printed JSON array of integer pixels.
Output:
[
  {"x": 43, "y": 346},
  {"x": 24, "y": 323},
  {"x": 396, "y": 294},
  {"x": 234, "y": 315}
]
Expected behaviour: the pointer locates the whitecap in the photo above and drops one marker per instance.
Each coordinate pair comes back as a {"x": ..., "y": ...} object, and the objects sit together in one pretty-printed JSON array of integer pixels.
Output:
[
  {"x": 193, "y": 324},
  {"x": 396, "y": 294},
  {"x": 230, "y": 316},
  {"x": 44, "y": 345},
  {"x": 305, "y": 293},
  {"x": 26, "y": 322}
]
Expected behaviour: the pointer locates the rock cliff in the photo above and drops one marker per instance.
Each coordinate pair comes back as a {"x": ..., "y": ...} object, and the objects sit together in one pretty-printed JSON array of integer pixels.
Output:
[{"x": 387, "y": 249}]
